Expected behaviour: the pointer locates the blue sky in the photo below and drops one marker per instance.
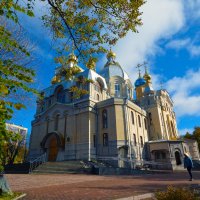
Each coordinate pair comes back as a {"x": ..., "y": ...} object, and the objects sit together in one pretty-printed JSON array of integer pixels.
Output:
[{"x": 169, "y": 41}]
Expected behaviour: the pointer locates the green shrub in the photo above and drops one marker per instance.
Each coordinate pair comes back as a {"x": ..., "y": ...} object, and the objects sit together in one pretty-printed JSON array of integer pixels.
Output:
[{"x": 173, "y": 193}]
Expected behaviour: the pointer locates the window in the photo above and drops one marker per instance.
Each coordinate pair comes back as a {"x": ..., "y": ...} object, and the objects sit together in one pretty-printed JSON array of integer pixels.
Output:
[
  {"x": 129, "y": 93},
  {"x": 139, "y": 121},
  {"x": 97, "y": 97},
  {"x": 157, "y": 155},
  {"x": 145, "y": 123},
  {"x": 117, "y": 90},
  {"x": 105, "y": 119},
  {"x": 56, "y": 122},
  {"x": 94, "y": 140},
  {"x": 105, "y": 139},
  {"x": 60, "y": 95},
  {"x": 163, "y": 155},
  {"x": 132, "y": 117},
  {"x": 47, "y": 125},
  {"x": 150, "y": 118},
  {"x": 134, "y": 139},
  {"x": 49, "y": 102},
  {"x": 141, "y": 141}
]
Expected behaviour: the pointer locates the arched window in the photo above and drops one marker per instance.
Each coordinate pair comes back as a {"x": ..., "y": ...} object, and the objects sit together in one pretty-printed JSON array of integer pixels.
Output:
[
  {"x": 129, "y": 93},
  {"x": 105, "y": 139},
  {"x": 134, "y": 139},
  {"x": 94, "y": 140},
  {"x": 141, "y": 141},
  {"x": 117, "y": 90},
  {"x": 145, "y": 123},
  {"x": 105, "y": 119},
  {"x": 47, "y": 125},
  {"x": 60, "y": 95},
  {"x": 97, "y": 97},
  {"x": 139, "y": 121},
  {"x": 56, "y": 122},
  {"x": 132, "y": 117}
]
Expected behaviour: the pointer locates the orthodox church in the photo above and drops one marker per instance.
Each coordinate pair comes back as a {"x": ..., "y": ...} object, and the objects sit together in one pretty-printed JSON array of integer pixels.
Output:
[{"x": 107, "y": 122}]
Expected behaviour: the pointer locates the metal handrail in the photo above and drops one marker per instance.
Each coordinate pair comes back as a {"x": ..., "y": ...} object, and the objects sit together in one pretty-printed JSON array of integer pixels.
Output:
[
  {"x": 135, "y": 161},
  {"x": 36, "y": 162}
]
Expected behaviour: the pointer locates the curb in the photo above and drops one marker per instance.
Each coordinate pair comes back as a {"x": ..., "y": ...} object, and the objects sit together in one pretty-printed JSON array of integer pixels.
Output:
[
  {"x": 19, "y": 197},
  {"x": 139, "y": 197}
]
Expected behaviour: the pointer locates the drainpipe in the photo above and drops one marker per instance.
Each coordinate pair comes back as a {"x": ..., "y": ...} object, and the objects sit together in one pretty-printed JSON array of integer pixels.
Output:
[{"x": 89, "y": 150}]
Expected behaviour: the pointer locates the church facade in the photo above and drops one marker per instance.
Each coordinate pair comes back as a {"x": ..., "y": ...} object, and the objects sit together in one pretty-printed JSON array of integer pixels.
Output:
[{"x": 107, "y": 122}]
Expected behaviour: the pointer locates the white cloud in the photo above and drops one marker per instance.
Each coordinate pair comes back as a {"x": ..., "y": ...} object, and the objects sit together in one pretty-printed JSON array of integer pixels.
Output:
[
  {"x": 188, "y": 44},
  {"x": 185, "y": 130},
  {"x": 192, "y": 8},
  {"x": 186, "y": 93},
  {"x": 179, "y": 44},
  {"x": 161, "y": 19}
]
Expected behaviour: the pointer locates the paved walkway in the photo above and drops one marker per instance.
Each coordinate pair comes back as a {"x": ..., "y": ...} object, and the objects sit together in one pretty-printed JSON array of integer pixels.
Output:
[{"x": 91, "y": 187}]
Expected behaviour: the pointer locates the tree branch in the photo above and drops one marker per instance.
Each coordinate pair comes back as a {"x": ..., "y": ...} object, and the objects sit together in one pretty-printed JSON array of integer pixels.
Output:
[{"x": 68, "y": 27}]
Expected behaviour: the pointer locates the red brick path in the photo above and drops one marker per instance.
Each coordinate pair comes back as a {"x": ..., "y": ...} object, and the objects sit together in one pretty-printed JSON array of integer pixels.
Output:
[{"x": 89, "y": 187}]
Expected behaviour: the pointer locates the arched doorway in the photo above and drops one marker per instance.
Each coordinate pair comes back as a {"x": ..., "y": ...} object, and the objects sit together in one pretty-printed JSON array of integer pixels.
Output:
[
  {"x": 53, "y": 149},
  {"x": 53, "y": 145},
  {"x": 178, "y": 158}
]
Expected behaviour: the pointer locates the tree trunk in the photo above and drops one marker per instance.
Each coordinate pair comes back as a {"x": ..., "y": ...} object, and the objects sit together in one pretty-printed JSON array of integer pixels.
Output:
[{"x": 4, "y": 186}]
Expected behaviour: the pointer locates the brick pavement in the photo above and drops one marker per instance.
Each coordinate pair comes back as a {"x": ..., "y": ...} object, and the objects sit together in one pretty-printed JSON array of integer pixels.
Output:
[{"x": 91, "y": 187}]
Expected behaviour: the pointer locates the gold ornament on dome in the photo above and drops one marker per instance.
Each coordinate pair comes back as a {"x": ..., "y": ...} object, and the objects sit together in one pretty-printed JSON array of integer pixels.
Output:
[
  {"x": 91, "y": 65},
  {"x": 72, "y": 58},
  {"x": 55, "y": 79},
  {"x": 146, "y": 76},
  {"x": 111, "y": 54}
]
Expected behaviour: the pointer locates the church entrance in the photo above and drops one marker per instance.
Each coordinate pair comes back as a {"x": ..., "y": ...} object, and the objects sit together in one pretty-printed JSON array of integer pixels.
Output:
[
  {"x": 53, "y": 149},
  {"x": 178, "y": 158},
  {"x": 53, "y": 145}
]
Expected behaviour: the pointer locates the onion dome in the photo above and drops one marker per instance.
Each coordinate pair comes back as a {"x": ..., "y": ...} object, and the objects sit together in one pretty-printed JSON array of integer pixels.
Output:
[
  {"x": 111, "y": 54},
  {"x": 140, "y": 82},
  {"x": 72, "y": 58},
  {"x": 55, "y": 79}
]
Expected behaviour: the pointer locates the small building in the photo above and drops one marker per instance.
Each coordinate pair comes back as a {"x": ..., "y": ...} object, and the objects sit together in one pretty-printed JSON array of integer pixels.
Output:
[{"x": 18, "y": 129}]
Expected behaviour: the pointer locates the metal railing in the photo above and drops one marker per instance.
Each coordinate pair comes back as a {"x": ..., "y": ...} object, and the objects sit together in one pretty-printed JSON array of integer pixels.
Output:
[
  {"x": 36, "y": 162},
  {"x": 134, "y": 163}
]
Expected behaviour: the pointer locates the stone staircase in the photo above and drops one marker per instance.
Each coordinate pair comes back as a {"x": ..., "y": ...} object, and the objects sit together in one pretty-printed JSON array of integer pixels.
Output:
[{"x": 63, "y": 167}]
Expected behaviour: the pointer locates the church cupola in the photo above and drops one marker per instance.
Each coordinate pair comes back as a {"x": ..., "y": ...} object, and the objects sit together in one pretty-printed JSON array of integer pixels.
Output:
[
  {"x": 72, "y": 60},
  {"x": 55, "y": 79},
  {"x": 148, "y": 86},
  {"x": 139, "y": 86},
  {"x": 111, "y": 55}
]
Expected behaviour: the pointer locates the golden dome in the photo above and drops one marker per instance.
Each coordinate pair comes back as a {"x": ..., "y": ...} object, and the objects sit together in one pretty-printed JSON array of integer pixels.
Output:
[
  {"x": 72, "y": 58},
  {"x": 55, "y": 79},
  {"x": 147, "y": 76},
  {"x": 91, "y": 64},
  {"x": 111, "y": 54}
]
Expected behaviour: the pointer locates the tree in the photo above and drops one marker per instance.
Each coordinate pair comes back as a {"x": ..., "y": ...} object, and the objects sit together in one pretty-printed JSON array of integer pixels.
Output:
[
  {"x": 195, "y": 135},
  {"x": 13, "y": 147},
  {"x": 88, "y": 25},
  {"x": 14, "y": 76}
]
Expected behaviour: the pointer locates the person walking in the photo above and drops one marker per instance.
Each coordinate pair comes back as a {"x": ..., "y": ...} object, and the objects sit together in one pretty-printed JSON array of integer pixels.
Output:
[{"x": 188, "y": 164}]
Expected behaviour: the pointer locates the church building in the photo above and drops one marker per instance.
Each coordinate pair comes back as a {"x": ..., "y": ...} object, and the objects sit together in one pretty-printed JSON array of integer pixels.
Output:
[{"x": 107, "y": 122}]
